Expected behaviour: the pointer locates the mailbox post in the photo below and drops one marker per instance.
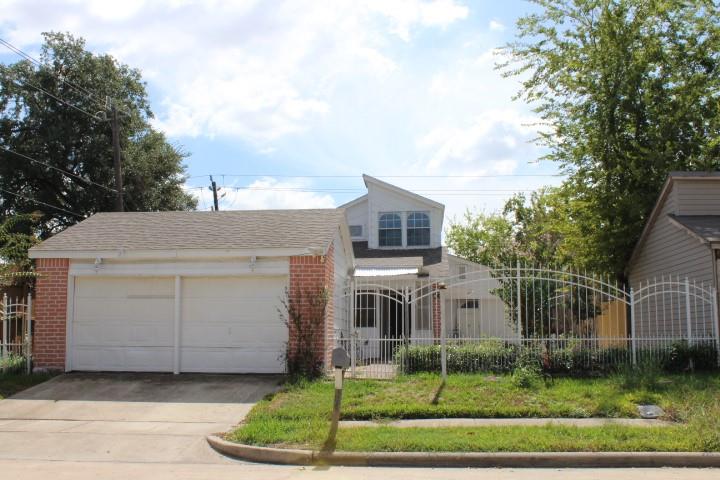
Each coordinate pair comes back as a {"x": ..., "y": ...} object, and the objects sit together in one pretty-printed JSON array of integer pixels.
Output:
[{"x": 340, "y": 361}]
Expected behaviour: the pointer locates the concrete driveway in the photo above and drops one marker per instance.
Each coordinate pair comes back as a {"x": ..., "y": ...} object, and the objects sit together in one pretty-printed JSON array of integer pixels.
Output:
[{"x": 127, "y": 417}]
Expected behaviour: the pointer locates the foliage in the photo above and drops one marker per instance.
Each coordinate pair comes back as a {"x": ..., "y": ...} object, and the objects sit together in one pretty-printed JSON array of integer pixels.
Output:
[
  {"x": 12, "y": 381},
  {"x": 566, "y": 356},
  {"x": 303, "y": 311},
  {"x": 17, "y": 235},
  {"x": 627, "y": 91},
  {"x": 34, "y": 124}
]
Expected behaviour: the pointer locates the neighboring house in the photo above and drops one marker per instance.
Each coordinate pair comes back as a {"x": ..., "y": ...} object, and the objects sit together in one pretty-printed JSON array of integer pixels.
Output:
[
  {"x": 680, "y": 241},
  {"x": 184, "y": 291},
  {"x": 401, "y": 269}
]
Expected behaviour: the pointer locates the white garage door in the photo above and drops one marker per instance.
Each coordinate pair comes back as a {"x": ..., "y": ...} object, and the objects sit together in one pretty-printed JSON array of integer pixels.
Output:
[
  {"x": 228, "y": 324},
  {"x": 123, "y": 324},
  {"x": 232, "y": 325}
]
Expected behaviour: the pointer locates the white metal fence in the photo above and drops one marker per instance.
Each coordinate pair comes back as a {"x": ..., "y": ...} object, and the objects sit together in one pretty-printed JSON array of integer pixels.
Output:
[
  {"x": 16, "y": 333},
  {"x": 483, "y": 318}
]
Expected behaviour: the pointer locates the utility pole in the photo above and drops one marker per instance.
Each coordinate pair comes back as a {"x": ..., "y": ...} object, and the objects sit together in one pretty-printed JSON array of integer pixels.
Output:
[
  {"x": 117, "y": 158},
  {"x": 213, "y": 187}
]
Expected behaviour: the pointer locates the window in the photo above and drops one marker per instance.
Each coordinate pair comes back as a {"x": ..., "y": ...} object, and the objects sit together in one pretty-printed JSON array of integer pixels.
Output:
[
  {"x": 365, "y": 309},
  {"x": 390, "y": 230},
  {"x": 462, "y": 270},
  {"x": 356, "y": 230},
  {"x": 418, "y": 229}
]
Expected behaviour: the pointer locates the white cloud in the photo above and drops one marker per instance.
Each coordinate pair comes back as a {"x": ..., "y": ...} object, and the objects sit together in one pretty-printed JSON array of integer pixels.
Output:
[
  {"x": 496, "y": 26},
  {"x": 493, "y": 140},
  {"x": 265, "y": 193},
  {"x": 245, "y": 69}
]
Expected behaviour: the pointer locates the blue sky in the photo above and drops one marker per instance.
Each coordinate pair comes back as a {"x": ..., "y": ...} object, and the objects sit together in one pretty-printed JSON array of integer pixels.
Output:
[{"x": 282, "y": 92}]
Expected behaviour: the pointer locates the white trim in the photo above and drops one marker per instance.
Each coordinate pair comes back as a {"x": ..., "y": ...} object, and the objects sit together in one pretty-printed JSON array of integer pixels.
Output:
[
  {"x": 368, "y": 179},
  {"x": 690, "y": 233},
  {"x": 177, "y": 324},
  {"x": 69, "y": 322},
  {"x": 352, "y": 203},
  {"x": 169, "y": 254},
  {"x": 186, "y": 269}
]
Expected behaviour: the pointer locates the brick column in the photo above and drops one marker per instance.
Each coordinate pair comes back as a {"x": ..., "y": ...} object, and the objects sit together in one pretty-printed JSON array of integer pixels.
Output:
[
  {"x": 309, "y": 277},
  {"x": 436, "y": 312},
  {"x": 50, "y": 313}
]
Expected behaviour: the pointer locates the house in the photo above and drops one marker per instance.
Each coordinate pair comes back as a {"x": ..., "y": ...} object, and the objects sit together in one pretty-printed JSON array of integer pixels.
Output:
[
  {"x": 401, "y": 272},
  {"x": 679, "y": 246},
  {"x": 202, "y": 291},
  {"x": 184, "y": 291}
]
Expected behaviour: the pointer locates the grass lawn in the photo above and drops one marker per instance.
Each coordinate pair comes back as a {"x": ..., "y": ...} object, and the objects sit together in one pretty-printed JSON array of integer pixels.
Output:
[
  {"x": 299, "y": 415},
  {"x": 12, "y": 383}
]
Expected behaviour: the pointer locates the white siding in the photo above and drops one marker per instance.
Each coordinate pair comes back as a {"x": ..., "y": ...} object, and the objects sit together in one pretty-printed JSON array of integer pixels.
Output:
[
  {"x": 669, "y": 251},
  {"x": 358, "y": 215},
  {"x": 340, "y": 297},
  {"x": 382, "y": 200}
]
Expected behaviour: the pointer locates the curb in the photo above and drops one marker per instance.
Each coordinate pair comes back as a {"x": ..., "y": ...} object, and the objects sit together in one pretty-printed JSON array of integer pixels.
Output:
[{"x": 465, "y": 460}]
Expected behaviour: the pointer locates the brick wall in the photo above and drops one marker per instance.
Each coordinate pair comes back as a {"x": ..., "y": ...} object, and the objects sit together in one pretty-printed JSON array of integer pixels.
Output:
[
  {"x": 50, "y": 313},
  {"x": 310, "y": 275},
  {"x": 436, "y": 312}
]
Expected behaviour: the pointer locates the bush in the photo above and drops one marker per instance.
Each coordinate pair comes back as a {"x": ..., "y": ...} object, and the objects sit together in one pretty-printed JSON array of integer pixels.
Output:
[
  {"x": 11, "y": 365},
  {"x": 560, "y": 356}
]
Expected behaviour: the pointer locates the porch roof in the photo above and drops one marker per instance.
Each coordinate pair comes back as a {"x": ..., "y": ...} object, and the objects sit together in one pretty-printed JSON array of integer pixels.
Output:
[{"x": 430, "y": 261}]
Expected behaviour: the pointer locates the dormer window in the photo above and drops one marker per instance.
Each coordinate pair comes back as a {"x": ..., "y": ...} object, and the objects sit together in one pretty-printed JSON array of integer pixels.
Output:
[
  {"x": 418, "y": 229},
  {"x": 390, "y": 230}
]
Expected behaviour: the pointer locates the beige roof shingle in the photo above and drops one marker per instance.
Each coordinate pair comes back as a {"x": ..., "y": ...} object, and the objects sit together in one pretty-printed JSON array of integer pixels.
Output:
[{"x": 242, "y": 229}]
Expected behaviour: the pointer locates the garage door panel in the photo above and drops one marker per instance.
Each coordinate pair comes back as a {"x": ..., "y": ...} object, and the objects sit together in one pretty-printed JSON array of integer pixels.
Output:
[
  {"x": 135, "y": 359},
  {"x": 240, "y": 360},
  {"x": 232, "y": 324},
  {"x": 221, "y": 335},
  {"x": 123, "y": 324}
]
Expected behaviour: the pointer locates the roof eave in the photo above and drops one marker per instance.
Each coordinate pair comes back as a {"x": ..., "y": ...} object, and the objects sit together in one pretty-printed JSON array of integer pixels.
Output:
[
  {"x": 401, "y": 191},
  {"x": 173, "y": 254}
]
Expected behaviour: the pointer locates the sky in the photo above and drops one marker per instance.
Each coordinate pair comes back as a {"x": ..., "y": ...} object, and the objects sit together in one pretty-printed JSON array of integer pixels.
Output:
[{"x": 287, "y": 103}]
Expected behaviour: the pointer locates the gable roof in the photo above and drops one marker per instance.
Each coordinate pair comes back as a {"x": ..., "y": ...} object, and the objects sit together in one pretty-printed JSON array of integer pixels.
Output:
[
  {"x": 306, "y": 230},
  {"x": 664, "y": 192},
  {"x": 705, "y": 227},
  {"x": 352, "y": 203},
  {"x": 401, "y": 191}
]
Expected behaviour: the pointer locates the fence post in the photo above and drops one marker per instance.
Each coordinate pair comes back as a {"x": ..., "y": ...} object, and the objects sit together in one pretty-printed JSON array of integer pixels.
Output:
[
  {"x": 715, "y": 324},
  {"x": 687, "y": 311},
  {"x": 28, "y": 334},
  {"x": 351, "y": 327},
  {"x": 5, "y": 314},
  {"x": 519, "y": 303},
  {"x": 633, "y": 334},
  {"x": 443, "y": 341}
]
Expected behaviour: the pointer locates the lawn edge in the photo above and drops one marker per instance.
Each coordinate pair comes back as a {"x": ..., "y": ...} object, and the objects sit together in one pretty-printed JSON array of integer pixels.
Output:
[{"x": 463, "y": 460}]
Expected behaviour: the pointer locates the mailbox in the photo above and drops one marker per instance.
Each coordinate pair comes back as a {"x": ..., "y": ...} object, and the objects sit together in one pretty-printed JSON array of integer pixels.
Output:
[{"x": 340, "y": 358}]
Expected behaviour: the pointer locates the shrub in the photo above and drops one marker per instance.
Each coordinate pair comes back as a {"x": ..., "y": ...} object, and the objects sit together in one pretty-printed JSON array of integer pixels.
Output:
[
  {"x": 11, "y": 364},
  {"x": 560, "y": 356}
]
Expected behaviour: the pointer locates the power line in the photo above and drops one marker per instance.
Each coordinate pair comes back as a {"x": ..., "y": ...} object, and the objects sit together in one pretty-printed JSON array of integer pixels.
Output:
[
  {"x": 352, "y": 190},
  {"x": 39, "y": 202},
  {"x": 64, "y": 102},
  {"x": 64, "y": 172},
  {"x": 27, "y": 56},
  {"x": 385, "y": 176}
]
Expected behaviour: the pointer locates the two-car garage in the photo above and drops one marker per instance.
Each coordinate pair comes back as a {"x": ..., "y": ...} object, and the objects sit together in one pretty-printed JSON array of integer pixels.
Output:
[
  {"x": 225, "y": 324},
  {"x": 184, "y": 291}
]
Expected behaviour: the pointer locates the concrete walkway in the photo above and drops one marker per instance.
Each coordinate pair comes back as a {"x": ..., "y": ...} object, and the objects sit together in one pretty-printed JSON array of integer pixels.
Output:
[
  {"x": 127, "y": 417},
  {"x": 506, "y": 422}
]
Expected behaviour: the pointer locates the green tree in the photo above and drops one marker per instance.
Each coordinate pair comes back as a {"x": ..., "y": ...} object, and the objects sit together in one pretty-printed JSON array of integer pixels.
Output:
[
  {"x": 630, "y": 92},
  {"x": 74, "y": 144},
  {"x": 17, "y": 235}
]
